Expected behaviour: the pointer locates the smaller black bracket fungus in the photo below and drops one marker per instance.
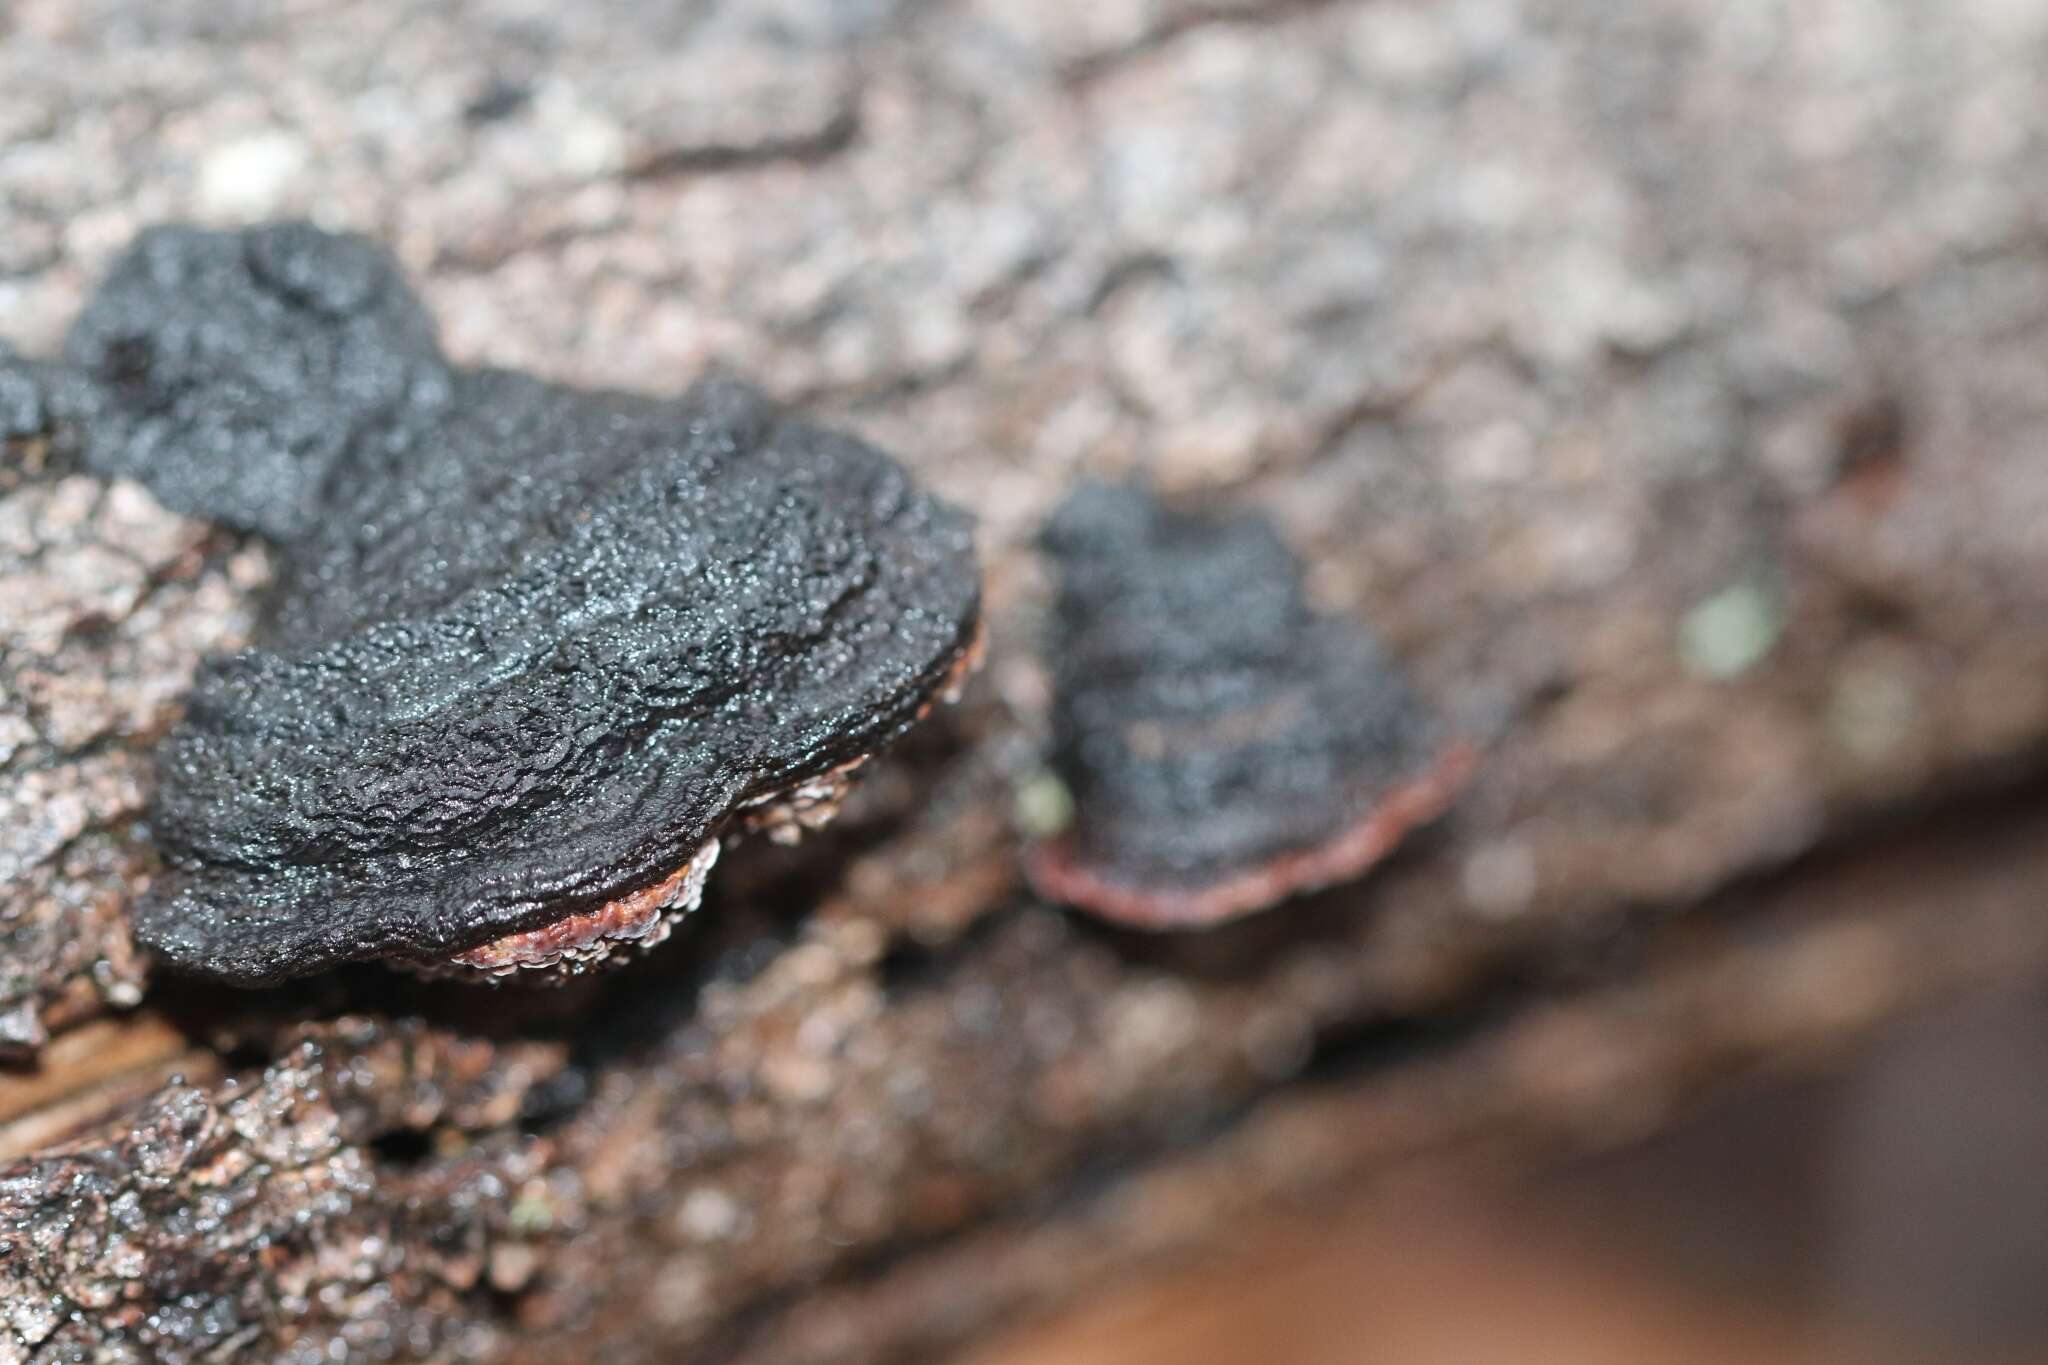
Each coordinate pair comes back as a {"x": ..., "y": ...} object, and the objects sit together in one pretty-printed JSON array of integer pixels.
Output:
[
  {"x": 1225, "y": 744},
  {"x": 531, "y": 650}
]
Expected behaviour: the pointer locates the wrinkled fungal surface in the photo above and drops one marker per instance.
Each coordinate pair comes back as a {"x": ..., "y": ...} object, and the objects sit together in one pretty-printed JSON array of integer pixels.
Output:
[
  {"x": 530, "y": 648},
  {"x": 235, "y": 369},
  {"x": 1226, "y": 745}
]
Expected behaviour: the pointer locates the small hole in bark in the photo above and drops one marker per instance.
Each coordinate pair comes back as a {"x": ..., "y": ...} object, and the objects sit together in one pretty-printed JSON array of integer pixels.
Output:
[
  {"x": 403, "y": 1147},
  {"x": 1871, "y": 435}
]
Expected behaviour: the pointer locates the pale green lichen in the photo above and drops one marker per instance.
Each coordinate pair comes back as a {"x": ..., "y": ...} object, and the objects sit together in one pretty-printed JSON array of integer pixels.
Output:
[
  {"x": 1732, "y": 631},
  {"x": 1042, "y": 806}
]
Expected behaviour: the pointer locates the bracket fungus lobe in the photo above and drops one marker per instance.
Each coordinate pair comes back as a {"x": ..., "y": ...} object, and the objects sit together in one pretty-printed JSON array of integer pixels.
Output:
[
  {"x": 531, "y": 649},
  {"x": 233, "y": 369},
  {"x": 1225, "y": 744}
]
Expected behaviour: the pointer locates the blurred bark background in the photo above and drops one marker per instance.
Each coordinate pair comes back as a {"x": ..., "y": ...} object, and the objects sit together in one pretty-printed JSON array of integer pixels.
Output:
[{"x": 1664, "y": 379}]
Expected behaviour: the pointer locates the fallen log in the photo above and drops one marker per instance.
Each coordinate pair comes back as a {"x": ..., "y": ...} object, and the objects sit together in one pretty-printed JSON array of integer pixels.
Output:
[{"x": 1663, "y": 383}]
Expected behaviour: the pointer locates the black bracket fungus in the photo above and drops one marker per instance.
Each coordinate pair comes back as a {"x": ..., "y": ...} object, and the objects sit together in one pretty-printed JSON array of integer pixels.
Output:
[
  {"x": 1226, "y": 745},
  {"x": 531, "y": 649}
]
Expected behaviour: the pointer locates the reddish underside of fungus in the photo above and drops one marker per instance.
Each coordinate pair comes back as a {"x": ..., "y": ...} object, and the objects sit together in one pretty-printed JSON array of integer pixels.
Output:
[
  {"x": 1059, "y": 872},
  {"x": 577, "y": 942},
  {"x": 642, "y": 920}
]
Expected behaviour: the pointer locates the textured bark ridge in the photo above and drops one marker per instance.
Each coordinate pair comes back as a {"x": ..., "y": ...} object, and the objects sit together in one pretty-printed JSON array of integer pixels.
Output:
[{"x": 1661, "y": 380}]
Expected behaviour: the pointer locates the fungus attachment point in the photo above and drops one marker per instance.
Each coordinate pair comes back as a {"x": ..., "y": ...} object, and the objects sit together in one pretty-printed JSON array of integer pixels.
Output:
[
  {"x": 531, "y": 650},
  {"x": 1226, "y": 746}
]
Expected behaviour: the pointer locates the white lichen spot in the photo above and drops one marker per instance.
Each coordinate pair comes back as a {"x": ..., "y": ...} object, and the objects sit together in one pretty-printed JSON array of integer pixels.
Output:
[
  {"x": 708, "y": 1215},
  {"x": 1499, "y": 879},
  {"x": 247, "y": 178}
]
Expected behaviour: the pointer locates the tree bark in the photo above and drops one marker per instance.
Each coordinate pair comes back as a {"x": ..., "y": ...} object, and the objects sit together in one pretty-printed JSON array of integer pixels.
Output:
[{"x": 1662, "y": 379}]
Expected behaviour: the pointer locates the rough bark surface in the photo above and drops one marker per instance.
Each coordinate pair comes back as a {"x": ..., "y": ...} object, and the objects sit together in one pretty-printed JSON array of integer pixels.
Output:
[{"x": 1663, "y": 380}]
